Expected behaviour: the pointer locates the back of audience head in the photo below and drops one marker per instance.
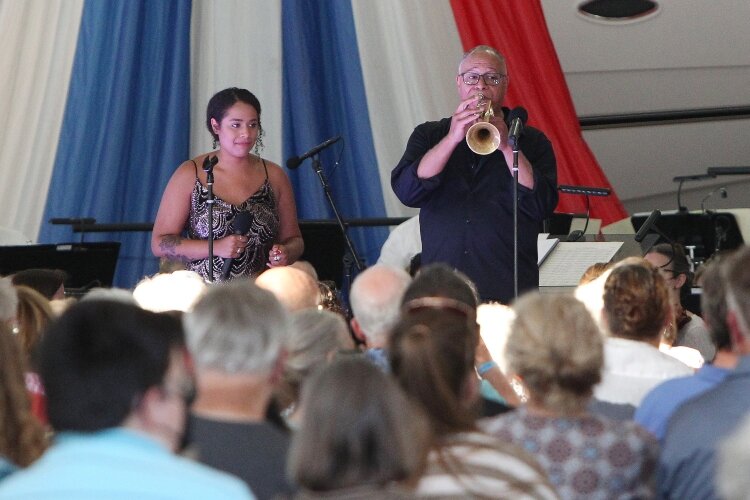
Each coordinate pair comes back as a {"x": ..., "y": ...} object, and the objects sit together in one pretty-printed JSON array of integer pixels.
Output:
[
  {"x": 8, "y": 301},
  {"x": 358, "y": 429},
  {"x": 34, "y": 314},
  {"x": 736, "y": 274},
  {"x": 375, "y": 300},
  {"x": 99, "y": 359},
  {"x": 176, "y": 291},
  {"x": 714, "y": 305},
  {"x": 48, "y": 282},
  {"x": 432, "y": 353},
  {"x": 314, "y": 339},
  {"x": 120, "y": 295},
  {"x": 295, "y": 289},
  {"x": 440, "y": 280},
  {"x": 593, "y": 271},
  {"x": 237, "y": 327},
  {"x": 636, "y": 301},
  {"x": 21, "y": 436},
  {"x": 556, "y": 348},
  {"x": 674, "y": 265}
]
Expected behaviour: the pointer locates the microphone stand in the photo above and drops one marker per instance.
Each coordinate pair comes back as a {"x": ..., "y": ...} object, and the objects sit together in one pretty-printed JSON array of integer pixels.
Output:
[
  {"x": 515, "y": 219},
  {"x": 208, "y": 167},
  {"x": 317, "y": 166}
]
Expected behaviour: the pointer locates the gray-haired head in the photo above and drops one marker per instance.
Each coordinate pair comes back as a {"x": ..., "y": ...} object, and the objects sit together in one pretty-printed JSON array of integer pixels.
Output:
[
  {"x": 486, "y": 49},
  {"x": 375, "y": 299},
  {"x": 236, "y": 327},
  {"x": 737, "y": 276}
]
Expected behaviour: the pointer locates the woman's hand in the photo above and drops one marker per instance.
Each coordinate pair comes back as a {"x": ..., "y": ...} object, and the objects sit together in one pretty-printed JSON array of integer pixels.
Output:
[
  {"x": 278, "y": 256},
  {"x": 231, "y": 246}
]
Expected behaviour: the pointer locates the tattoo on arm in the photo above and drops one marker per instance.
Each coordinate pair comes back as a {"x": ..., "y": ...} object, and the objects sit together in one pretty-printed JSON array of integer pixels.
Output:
[{"x": 169, "y": 244}]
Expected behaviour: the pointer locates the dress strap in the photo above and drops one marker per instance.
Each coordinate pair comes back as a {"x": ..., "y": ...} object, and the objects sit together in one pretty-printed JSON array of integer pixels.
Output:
[
  {"x": 195, "y": 165},
  {"x": 264, "y": 167}
]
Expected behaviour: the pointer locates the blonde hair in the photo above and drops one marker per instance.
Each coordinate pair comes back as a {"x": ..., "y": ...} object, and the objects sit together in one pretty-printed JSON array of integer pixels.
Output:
[{"x": 556, "y": 348}]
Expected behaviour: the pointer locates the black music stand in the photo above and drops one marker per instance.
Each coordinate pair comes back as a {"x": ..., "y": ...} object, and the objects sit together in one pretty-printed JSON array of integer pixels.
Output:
[
  {"x": 88, "y": 265},
  {"x": 324, "y": 249},
  {"x": 706, "y": 232}
]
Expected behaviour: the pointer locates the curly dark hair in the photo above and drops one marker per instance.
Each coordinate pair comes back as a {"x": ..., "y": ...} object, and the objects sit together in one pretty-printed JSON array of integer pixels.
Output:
[{"x": 225, "y": 99}]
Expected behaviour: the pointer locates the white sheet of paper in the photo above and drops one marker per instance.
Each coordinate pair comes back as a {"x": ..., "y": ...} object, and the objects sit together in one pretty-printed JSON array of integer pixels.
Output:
[
  {"x": 568, "y": 261},
  {"x": 544, "y": 246}
]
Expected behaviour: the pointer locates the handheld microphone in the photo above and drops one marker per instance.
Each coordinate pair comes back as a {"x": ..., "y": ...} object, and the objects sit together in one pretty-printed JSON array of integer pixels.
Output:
[
  {"x": 646, "y": 227},
  {"x": 209, "y": 162},
  {"x": 517, "y": 119},
  {"x": 240, "y": 225},
  {"x": 295, "y": 162}
]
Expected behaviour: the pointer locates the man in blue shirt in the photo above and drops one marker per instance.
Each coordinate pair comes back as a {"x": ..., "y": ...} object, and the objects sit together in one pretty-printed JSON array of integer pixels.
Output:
[
  {"x": 466, "y": 199},
  {"x": 660, "y": 404},
  {"x": 688, "y": 461},
  {"x": 118, "y": 387}
]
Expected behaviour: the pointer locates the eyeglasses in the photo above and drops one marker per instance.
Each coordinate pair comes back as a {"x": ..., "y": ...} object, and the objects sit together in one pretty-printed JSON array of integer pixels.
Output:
[{"x": 492, "y": 79}]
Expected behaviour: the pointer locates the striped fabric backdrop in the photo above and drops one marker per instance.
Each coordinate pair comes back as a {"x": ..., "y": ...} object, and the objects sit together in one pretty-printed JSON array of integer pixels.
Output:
[{"x": 104, "y": 98}]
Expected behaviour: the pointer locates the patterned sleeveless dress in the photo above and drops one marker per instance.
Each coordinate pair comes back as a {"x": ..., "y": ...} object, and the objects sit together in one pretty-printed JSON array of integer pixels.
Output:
[{"x": 264, "y": 228}]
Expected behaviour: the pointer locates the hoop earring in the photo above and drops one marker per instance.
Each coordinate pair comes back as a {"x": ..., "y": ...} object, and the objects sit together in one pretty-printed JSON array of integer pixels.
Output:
[{"x": 259, "y": 142}]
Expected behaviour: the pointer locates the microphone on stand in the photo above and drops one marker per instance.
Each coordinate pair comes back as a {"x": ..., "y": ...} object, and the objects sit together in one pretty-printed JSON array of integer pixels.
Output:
[
  {"x": 517, "y": 118},
  {"x": 240, "y": 225},
  {"x": 295, "y": 162},
  {"x": 646, "y": 227}
]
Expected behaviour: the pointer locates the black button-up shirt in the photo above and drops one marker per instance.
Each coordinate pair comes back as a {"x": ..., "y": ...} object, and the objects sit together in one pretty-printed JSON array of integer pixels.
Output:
[{"x": 466, "y": 211}]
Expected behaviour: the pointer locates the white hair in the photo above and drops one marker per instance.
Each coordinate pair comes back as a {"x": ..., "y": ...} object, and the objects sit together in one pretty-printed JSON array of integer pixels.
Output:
[
  {"x": 113, "y": 294},
  {"x": 313, "y": 336},
  {"x": 494, "y": 321},
  {"x": 176, "y": 291},
  {"x": 485, "y": 49},
  {"x": 236, "y": 327},
  {"x": 375, "y": 299}
]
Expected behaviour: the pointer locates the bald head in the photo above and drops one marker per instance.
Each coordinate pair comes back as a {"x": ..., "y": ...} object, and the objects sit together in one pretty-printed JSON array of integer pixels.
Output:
[
  {"x": 375, "y": 299},
  {"x": 295, "y": 289}
]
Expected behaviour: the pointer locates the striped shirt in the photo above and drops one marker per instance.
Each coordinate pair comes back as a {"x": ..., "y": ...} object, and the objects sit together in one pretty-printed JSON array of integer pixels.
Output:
[{"x": 477, "y": 465}]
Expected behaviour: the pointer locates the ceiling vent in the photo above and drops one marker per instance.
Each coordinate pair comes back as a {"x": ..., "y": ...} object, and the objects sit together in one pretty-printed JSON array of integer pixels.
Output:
[{"x": 618, "y": 10}]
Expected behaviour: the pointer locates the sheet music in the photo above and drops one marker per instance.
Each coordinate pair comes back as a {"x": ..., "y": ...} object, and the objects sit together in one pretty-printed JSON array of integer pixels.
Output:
[
  {"x": 544, "y": 246},
  {"x": 568, "y": 261}
]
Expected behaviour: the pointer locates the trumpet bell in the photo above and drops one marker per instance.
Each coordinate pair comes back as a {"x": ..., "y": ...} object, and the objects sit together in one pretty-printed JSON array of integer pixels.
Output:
[{"x": 483, "y": 138}]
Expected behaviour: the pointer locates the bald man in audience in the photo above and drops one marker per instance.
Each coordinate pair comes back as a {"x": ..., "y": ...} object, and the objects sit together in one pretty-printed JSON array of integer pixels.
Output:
[
  {"x": 375, "y": 300},
  {"x": 295, "y": 289},
  {"x": 236, "y": 333}
]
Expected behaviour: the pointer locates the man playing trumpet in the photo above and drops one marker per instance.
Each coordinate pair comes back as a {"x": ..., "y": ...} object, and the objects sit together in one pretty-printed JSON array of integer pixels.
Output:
[{"x": 465, "y": 198}]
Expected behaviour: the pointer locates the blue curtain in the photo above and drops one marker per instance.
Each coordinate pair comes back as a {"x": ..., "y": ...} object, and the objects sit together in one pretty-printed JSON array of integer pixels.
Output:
[
  {"x": 126, "y": 124},
  {"x": 324, "y": 96}
]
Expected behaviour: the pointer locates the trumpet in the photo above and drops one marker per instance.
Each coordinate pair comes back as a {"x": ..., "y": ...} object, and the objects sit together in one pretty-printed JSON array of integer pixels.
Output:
[{"x": 483, "y": 137}]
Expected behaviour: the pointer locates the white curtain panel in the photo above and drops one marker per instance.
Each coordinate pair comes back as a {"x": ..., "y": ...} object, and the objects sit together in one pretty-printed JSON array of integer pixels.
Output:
[
  {"x": 39, "y": 42},
  {"x": 236, "y": 43},
  {"x": 409, "y": 53}
]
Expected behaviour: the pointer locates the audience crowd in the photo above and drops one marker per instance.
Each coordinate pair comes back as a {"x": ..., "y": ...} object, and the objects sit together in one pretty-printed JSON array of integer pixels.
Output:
[{"x": 283, "y": 387}]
